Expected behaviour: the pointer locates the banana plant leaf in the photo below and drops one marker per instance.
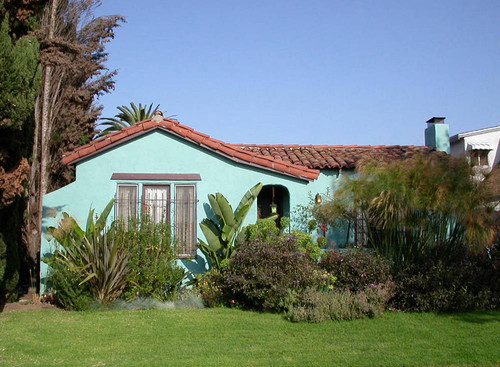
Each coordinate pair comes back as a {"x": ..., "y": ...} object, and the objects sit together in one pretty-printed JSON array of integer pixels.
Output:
[
  {"x": 215, "y": 208},
  {"x": 226, "y": 210},
  {"x": 212, "y": 234},
  {"x": 249, "y": 196}
]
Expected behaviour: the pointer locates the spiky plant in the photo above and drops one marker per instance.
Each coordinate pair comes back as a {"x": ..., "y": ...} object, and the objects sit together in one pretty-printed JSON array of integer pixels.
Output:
[
  {"x": 128, "y": 116},
  {"x": 98, "y": 259}
]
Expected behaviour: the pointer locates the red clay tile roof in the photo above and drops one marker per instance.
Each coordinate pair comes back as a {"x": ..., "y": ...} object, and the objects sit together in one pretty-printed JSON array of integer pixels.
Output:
[
  {"x": 175, "y": 128},
  {"x": 332, "y": 156}
]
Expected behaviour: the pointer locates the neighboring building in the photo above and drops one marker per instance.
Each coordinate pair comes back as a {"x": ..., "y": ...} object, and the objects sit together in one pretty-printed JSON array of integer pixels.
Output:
[
  {"x": 168, "y": 169},
  {"x": 479, "y": 147}
]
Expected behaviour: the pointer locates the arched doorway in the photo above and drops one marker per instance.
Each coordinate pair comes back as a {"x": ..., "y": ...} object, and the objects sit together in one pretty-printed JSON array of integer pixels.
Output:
[{"x": 276, "y": 196}]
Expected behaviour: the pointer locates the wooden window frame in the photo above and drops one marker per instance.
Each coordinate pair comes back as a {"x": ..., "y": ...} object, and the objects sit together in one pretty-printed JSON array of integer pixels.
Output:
[
  {"x": 192, "y": 248},
  {"x": 117, "y": 209}
]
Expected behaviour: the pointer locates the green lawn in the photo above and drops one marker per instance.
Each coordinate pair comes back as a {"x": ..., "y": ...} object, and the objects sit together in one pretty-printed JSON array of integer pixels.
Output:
[{"x": 225, "y": 337}]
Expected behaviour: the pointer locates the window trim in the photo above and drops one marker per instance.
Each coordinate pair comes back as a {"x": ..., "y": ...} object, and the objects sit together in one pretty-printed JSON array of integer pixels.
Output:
[{"x": 157, "y": 176}]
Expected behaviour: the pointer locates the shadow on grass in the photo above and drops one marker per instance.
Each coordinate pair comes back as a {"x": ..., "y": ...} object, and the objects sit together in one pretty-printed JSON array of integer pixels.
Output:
[{"x": 476, "y": 317}]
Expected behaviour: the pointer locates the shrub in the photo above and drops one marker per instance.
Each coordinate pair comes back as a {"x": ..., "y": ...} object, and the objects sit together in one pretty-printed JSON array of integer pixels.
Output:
[
  {"x": 211, "y": 288},
  {"x": 308, "y": 246},
  {"x": 152, "y": 268},
  {"x": 267, "y": 230},
  {"x": 413, "y": 205},
  {"x": 465, "y": 281},
  {"x": 99, "y": 259},
  {"x": 69, "y": 293},
  {"x": 356, "y": 269},
  {"x": 267, "y": 275},
  {"x": 139, "y": 259},
  {"x": 318, "y": 306}
]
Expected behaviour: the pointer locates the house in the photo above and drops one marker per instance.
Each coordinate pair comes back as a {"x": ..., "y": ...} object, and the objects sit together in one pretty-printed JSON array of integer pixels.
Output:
[
  {"x": 169, "y": 169},
  {"x": 479, "y": 147}
]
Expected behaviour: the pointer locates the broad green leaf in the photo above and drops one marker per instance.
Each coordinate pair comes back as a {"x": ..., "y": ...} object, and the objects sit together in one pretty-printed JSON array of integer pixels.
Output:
[
  {"x": 226, "y": 209},
  {"x": 211, "y": 233},
  {"x": 216, "y": 209},
  {"x": 249, "y": 196}
]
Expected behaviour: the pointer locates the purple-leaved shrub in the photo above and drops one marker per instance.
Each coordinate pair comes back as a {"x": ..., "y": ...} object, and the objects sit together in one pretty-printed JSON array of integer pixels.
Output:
[
  {"x": 269, "y": 274},
  {"x": 356, "y": 269}
]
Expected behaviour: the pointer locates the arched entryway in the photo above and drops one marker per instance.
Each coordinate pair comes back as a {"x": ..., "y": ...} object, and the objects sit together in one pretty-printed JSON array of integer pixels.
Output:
[{"x": 273, "y": 199}]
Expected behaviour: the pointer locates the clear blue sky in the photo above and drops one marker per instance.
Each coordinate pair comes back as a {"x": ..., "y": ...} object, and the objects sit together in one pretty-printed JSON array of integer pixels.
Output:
[{"x": 310, "y": 72}]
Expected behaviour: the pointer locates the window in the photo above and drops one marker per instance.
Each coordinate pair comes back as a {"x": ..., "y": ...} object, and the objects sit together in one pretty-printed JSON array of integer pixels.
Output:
[
  {"x": 126, "y": 202},
  {"x": 156, "y": 204},
  {"x": 185, "y": 219},
  {"x": 479, "y": 157}
]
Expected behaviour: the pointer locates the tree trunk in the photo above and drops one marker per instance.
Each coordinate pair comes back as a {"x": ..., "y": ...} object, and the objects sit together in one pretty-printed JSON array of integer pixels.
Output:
[{"x": 39, "y": 174}]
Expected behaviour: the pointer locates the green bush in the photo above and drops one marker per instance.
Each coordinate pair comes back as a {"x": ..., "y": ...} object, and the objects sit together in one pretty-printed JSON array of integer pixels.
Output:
[
  {"x": 152, "y": 268},
  {"x": 266, "y": 229},
  {"x": 211, "y": 288},
  {"x": 66, "y": 284},
  {"x": 269, "y": 274},
  {"x": 356, "y": 269},
  {"x": 462, "y": 282},
  {"x": 318, "y": 306}
]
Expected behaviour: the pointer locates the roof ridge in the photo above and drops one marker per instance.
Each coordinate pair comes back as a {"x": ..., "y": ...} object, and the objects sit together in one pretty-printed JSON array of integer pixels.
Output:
[
  {"x": 322, "y": 146},
  {"x": 185, "y": 132}
]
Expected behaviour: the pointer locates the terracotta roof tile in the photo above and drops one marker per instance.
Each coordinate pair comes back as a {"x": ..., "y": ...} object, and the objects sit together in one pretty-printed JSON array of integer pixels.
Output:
[
  {"x": 333, "y": 156},
  {"x": 277, "y": 164}
]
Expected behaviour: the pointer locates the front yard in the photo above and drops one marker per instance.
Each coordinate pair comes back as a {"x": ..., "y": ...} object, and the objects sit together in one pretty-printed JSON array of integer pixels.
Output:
[{"x": 226, "y": 337}]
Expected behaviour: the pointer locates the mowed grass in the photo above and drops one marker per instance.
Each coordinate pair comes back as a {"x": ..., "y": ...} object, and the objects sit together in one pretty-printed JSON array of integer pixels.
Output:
[{"x": 226, "y": 337}]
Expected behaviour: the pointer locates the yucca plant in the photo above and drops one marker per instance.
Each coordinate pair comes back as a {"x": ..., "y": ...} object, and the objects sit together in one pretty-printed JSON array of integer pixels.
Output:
[
  {"x": 222, "y": 230},
  {"x": 99, "y": 261}
]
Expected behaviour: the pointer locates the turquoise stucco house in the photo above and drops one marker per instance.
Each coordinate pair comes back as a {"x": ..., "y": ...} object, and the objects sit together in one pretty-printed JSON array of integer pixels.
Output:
[{"x": 169, "y": 169}]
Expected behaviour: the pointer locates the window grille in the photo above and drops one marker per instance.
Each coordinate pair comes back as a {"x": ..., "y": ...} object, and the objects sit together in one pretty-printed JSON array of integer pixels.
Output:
[{"x": 156, "y": 205}]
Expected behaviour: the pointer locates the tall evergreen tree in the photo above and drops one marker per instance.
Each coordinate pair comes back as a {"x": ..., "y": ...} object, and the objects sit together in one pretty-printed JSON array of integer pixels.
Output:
[
  {"x": 19, "y": 87},
  {"x": 72, "y": 56}
]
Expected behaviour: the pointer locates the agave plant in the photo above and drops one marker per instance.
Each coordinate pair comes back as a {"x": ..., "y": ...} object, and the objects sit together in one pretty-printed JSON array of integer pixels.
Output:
[
  {"x": 221, "y": 231},
  {"x": 93, "y": 253}
]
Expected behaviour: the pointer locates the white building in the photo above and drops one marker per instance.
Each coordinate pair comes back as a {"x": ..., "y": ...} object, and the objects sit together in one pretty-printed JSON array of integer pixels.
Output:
[{"x": 480, "y": 147}]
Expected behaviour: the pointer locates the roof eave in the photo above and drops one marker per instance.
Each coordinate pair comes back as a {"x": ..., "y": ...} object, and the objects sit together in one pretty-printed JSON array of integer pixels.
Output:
[{"x": 309, "y": 176}]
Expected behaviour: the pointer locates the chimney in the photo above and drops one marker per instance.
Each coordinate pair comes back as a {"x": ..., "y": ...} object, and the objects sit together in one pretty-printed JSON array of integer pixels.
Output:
[
  {"x": 437, "y": 134},
  {"x": 157, "y": 116}
]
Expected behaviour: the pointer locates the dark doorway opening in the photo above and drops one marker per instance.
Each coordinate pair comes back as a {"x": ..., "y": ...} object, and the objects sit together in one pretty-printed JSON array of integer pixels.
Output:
[{"x": 273, "y": 195}]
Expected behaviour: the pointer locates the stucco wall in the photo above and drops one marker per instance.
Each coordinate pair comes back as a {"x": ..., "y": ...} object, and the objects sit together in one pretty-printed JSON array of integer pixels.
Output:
[
  {"x": 160, "y": 152},
  {"x": 462, "y": 147}
]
